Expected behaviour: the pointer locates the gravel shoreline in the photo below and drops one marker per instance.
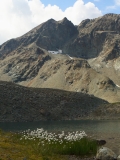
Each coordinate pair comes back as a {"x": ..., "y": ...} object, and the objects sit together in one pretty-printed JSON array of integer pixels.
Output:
[{"x": 112, "y": 142}]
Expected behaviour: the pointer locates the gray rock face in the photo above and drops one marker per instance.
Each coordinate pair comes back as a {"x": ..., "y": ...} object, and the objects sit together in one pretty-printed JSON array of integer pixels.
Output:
[
  {"x": 105, "y": 153},
  {"x": 94, "y": 35}
]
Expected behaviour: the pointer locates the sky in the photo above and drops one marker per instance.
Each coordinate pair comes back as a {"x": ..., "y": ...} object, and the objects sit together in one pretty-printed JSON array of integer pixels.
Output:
[{"x": 19, "y": 16}]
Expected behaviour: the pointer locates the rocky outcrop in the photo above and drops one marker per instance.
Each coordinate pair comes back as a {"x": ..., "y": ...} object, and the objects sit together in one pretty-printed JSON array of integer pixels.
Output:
[
  {"x": 23, "y": 64},
  {"x": 105, "y": 153},
  {"x": 93, "y": 34}
]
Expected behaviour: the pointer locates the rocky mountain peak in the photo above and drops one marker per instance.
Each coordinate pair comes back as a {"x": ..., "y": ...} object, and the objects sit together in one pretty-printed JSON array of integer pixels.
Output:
[
  {"x": 48, "y": 23},
  {"x": 64, "y": 21},
  {"x": 83, "y": 23},
  {"x": 111, "y": 15},
  {"x": 51, "y": 20}
]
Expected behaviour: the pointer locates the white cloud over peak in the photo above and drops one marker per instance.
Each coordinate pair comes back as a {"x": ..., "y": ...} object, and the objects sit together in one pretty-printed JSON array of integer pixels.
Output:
[
  {"x": 113, "y": 7},
  {"x": 80, "y": 11},
  {"x": 117, "y": 2},
  {"x": 19, "y": 16}
]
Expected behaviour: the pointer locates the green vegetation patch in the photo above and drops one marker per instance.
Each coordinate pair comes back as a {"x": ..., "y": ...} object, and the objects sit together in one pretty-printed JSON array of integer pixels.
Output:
[{"x": 41, "y": 145}]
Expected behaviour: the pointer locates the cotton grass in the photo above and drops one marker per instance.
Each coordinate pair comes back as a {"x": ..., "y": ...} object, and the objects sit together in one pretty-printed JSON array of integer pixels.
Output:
[{"x": 71, "y": 143}]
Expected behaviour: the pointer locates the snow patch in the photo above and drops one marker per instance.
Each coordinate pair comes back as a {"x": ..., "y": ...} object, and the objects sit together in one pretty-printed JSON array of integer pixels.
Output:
[
  {"x": 69, "y": 56},
  {"x": 93, "y": 59},
  {"x": 117, "y": 65},
  {"x": 55, "y": 52},
  {"x": 108, "y": 65},
  {"x": 98, "y": 66},
  {"x": 117, "y": 85},
  {"x": 17, "y": 67}
]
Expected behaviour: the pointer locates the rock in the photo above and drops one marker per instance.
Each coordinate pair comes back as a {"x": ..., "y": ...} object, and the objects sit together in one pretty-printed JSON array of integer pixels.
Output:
[
  {"x": 101, "y": 142},
  {"x": 105, "y": 153},
  {"x": 118, "y": 158}
]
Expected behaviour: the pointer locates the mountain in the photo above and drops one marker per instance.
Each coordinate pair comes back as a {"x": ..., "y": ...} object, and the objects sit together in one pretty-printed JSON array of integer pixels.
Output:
[
  {"x": 51, "y": 35},
  {"x": 89, "y": 62},
  {"x": 18, "y": 103}
]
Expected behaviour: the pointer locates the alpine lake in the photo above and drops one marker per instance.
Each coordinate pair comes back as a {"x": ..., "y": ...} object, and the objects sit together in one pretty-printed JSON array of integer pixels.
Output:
[{"x": 108, "y": 130}]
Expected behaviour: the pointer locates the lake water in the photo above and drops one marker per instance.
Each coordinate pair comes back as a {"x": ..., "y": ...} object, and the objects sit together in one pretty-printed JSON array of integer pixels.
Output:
[{"x": 89, "y": 126}]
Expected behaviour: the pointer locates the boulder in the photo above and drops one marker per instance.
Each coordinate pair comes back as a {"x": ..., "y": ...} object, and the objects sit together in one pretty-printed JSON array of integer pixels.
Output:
[
  {"x": 101, "y": 142},
  {"x": 118, "y": 158},
  {"x": 105, "y": 153}
]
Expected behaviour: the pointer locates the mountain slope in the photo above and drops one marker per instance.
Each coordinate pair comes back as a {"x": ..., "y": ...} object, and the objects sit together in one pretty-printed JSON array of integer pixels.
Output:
[
  {"x": 40, "y": 69},
  {"x": 50, "y": 35},
  {"x": 18, "y": 103},
  {"x": 86, "y": 40}
]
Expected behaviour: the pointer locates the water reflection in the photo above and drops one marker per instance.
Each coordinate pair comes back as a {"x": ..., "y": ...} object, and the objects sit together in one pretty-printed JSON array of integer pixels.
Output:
[{"x": 91, "y": 126}]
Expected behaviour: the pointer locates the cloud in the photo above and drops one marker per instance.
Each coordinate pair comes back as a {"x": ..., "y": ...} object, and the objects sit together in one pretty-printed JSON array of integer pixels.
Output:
[
  {"x": 80, "y": 11},
  {"x": 111, "y": 7},
  {"x": 19, "y": 16},
  {"x": 115, "y": 6},
  {"x": 117, "y": 2}
]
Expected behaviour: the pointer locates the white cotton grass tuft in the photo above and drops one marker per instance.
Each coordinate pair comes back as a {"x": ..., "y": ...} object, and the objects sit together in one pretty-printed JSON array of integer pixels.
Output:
[
  {"x": 41, "y": 134},
  {"x": 46, "y": 143}
]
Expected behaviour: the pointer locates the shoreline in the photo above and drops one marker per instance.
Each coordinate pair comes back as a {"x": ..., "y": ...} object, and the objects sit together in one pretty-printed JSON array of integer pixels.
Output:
[{"x": 81, "y": 119}]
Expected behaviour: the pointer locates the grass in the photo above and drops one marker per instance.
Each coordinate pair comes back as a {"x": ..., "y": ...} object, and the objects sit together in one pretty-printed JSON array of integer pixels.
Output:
[{"x": 14, "y": 146}]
